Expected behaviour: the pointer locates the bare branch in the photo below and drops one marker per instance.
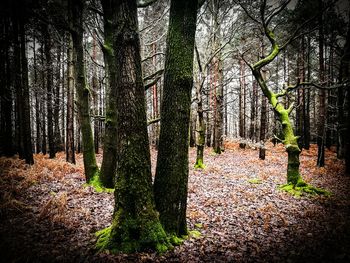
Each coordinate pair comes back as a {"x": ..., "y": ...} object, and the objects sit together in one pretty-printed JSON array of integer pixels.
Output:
[
  {"x": 276, "y": 11},
  {"x": 147, "y": 86},
  {"x": 149, "y": 122},
  {"x": 158, "y": 72},
  {"x": 145, "y": 3}
]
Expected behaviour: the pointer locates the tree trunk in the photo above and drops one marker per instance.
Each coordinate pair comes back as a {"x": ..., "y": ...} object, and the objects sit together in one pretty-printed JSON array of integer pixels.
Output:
[
  {"x": 83, "y": 92},
  {"x": 307, "y": 99},
  {"x": 42, "y": 104},
  {"x": 135, "y": 225},
  {"x": 109, "y": 161},
  {"x": 171, "y": 181},
  {"x": 49, "y": 89},
  {"x": 70, "y": 150},
  {"x": 263, "y": 114},
  {"x": 200, "y": 129},
  {"x": 321, "y": 97},
  {"x": 56, "y": 101},
  {"x": 218, "y": 80},
  {"x": 253, "y": 111},
  {"x": 6, "y": 92},
  {"x": 342, "y": 128},
  {"x": 241, "y": 103}
]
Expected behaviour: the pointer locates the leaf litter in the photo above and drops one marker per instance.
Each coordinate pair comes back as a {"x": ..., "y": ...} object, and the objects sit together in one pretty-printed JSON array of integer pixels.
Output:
[{"x": 234, "y": 208}]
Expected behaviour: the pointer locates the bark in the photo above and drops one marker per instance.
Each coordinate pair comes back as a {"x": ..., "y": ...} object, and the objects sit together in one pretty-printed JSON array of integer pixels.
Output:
[
  {"x": 171, "y": 181},
  {"x": 7, "y": 147},
  {"x": 218, "y": 81},
  {"x": 253, "y": 111},
  {"x": 263, "y": 125},
  {"x": 200, "y": 138},
  {"x": 242, "y": 102},
  {"x": 70, "y": 148},
  {"x": 22, "y": 87},
  {"x": 42, "y": 104},
  {"x": 109, "y": 161},
  {"x": 135, "y": 223},
  {"x": 342, "y": 128},
  {"x": 307, "y": 99},
  {"x": 83, "y": 92},
  {"x": 56, "y": 101},
  {"x": 49, "y": 90},
  {"x": 321, "y": 97}
]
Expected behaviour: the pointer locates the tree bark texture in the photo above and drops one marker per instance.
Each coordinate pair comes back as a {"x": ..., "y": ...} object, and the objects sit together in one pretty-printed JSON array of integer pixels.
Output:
[
  {"x": 70, "y": 148},
  {"x": 109, "y": 161},
  {"x": 83, "y": 92},
  {"x": 171, "y": 181},
  {"x": 135, "y": 225}
]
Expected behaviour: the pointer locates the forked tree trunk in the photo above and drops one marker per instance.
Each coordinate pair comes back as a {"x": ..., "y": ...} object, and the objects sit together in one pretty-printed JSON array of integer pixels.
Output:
[{"x": 135, "y": 225}]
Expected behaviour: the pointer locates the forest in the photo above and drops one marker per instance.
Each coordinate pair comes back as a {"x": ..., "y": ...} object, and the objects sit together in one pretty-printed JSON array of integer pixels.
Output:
[{"x": 175, "y": 131}]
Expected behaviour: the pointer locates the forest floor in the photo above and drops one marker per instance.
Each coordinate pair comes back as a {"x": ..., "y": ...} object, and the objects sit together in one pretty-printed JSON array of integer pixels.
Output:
[{"x": 48, "y": 215}]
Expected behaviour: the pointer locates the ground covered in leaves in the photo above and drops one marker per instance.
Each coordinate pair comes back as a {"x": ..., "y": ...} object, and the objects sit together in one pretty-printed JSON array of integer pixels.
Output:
[{"x": 48, "y": 215}]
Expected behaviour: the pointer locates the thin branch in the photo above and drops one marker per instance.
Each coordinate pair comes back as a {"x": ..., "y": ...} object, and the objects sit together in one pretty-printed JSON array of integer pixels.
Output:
[
  {"x": 158, "y": 72},
  {"x": 147, "y": 86},
  {"x": 145, "y": 3},
  {"x": 152, "y": 56},
  {"x": 276, "y": 11},
  {"x": 153, "y": 121}
]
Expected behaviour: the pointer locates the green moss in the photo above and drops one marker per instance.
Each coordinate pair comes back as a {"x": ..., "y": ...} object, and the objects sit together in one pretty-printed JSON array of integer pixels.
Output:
[
  {"x": 97, "y": 185},
  {"x": 198, "y": 225},
  {"x": 195, "y": 234},
  {"x": 103, "y": 238},
  {"x": 199, "y": 164},
  {"x": 255, "y": 181},
  {"x": 302, "y": 188},
  {"x": 133, "y": 236},
  {"x": 175, "y": 240}
]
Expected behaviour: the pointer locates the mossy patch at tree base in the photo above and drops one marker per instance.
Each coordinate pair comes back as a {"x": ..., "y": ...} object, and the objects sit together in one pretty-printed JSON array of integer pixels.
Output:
[
  {"x": 97, "y": 185},
  {"x": 199, "y": 164},
  {"x": 302, "y": 188},
  {"x": 130, "y": 237}
]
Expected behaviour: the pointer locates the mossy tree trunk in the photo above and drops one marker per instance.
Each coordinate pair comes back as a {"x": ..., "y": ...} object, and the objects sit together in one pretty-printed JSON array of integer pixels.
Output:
[
  {"x": 135, "y": 225},
  {"x": 82, "y": 91},
  {"x": 171, "y": 181},
  {"x": 289, "y": 139},
  {"x": 109, "y": 161}
]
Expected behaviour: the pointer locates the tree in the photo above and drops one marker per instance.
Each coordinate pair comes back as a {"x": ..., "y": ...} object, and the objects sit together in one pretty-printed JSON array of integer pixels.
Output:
[
  {"x": 82, "y": 90},
  {"x": 322, "y": 93},
  {"x": 49, "y": 89},
  {"x": 23, "y": 125},
  {"x": 109, "y": 161},
  {"x": 70, "y": 149},
  {"x": 135, "y": 225},
  {"x": 6, "y": 91},
  {"x": 171, "y": 180},
  {"x": 294, "y": 178}
]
